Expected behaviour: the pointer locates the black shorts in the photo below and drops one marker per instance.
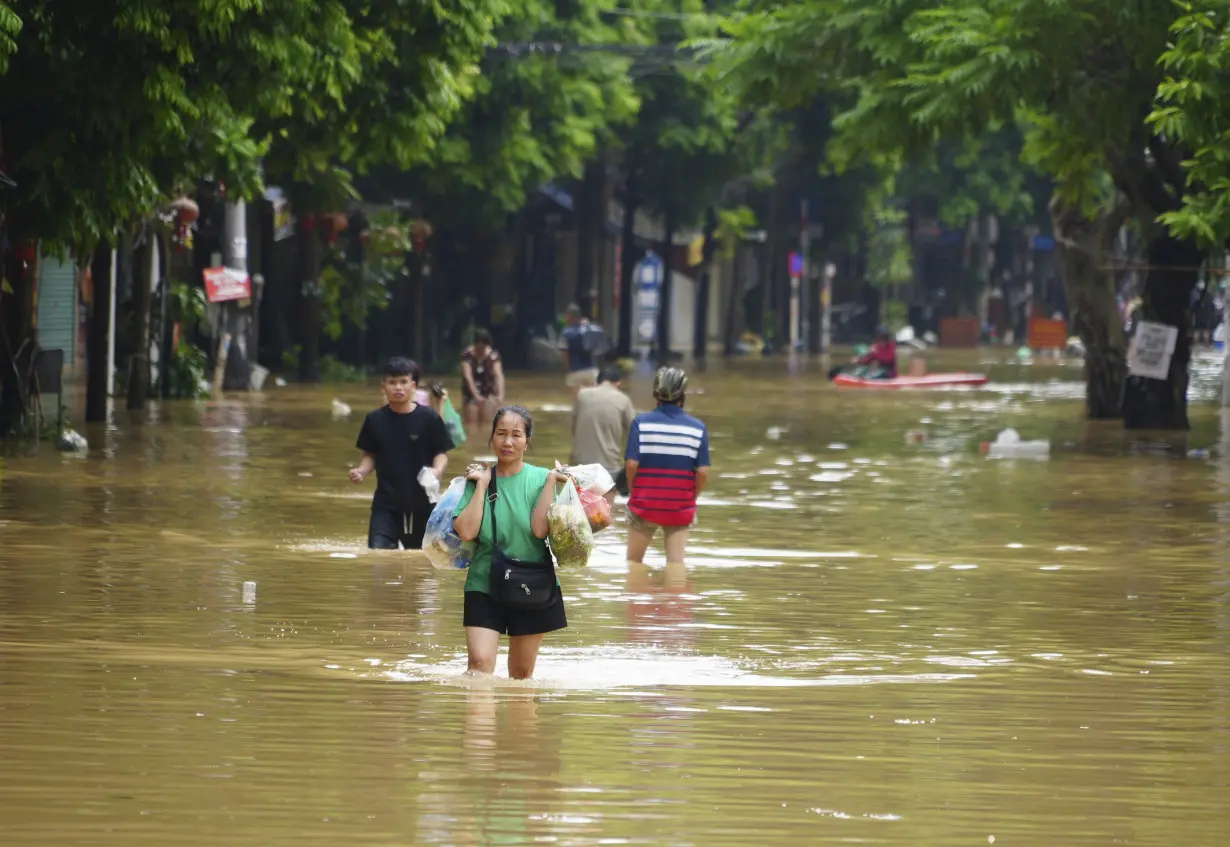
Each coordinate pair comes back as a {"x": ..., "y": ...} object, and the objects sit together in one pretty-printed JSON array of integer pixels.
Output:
[
  {"x": 482, "y": 611},
  {"x": 388, "y": 528}
]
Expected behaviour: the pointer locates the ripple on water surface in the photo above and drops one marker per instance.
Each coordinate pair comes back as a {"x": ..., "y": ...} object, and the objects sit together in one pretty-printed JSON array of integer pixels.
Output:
[{"x": 875, "y": 642}]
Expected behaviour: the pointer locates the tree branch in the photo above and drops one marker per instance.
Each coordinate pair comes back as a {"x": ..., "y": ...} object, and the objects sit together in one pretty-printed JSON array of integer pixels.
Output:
[
  {"x": 1135, "y": 178},
  {"x": 1170, "y": 164}
]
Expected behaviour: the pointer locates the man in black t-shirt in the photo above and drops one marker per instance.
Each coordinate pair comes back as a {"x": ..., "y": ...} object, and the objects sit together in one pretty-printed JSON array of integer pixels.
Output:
[{"x": 398, "y": 440}]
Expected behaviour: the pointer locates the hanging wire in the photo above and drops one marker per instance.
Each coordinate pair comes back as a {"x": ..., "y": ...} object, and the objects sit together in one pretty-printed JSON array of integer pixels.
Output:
[{"x": 662, "y": 16}]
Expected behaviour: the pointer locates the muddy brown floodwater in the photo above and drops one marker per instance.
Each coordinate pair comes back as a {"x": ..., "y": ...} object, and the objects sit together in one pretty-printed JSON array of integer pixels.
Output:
[{"x": 876, "y": 643}]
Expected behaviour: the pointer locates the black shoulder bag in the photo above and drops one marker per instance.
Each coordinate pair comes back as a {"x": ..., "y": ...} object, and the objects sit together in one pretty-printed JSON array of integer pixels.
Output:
[{"x": 521, "y": 586}]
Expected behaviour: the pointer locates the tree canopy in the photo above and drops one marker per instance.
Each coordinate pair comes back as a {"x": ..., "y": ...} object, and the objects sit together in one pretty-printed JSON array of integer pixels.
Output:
[
  {"x": 1192, "y": 108},
  {"x": 110, "y": 104},
  {"x": 1077, "y": 76}
]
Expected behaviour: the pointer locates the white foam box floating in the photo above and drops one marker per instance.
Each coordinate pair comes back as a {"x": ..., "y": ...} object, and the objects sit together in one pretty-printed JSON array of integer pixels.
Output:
[
  {"x": 249, "y": 592},
  {"x": 1008, "y": 445}
]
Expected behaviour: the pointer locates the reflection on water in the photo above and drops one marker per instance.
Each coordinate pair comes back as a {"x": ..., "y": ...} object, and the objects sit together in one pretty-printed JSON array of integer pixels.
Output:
[{"x": 875, "y": 642}]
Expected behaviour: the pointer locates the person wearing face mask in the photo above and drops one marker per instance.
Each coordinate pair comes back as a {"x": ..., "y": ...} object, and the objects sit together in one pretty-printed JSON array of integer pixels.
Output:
[{"x": 504, "y": 511}]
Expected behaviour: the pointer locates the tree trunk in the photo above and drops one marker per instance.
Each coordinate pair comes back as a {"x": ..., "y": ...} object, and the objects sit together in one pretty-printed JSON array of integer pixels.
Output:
[
  {"x": 700, "y": 321},
  {"x": 1173, "y": 270},
  {"x": 420, "y": 279},
  {"x": 258, "y": 259},
  {"x": 734, "y": 296},
  {"x": 627, "y": 267},
  {"x": 768, "y": 261},
  {"x": 668, "y": 280},
  {"x": 310, "y": 306},
  {"x": 1083, "y": 250},
  {"x": 16, "y": 346},
  {"x": 166, "y": 330},
  {"x": 816, "y": 307},
  {"x": 590, "y": 221},
  {"x": 96, "y": 337},
  {"x": 138, "y": 363},
  {"x": 781, "y": 273}
]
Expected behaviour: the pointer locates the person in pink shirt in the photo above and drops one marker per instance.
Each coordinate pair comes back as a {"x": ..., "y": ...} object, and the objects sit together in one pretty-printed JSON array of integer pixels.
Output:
[{"x": 882, "y": 356}]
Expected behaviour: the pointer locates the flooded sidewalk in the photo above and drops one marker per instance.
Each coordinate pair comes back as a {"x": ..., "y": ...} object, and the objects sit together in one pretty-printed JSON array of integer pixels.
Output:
[{"x": 880, "y": 639}]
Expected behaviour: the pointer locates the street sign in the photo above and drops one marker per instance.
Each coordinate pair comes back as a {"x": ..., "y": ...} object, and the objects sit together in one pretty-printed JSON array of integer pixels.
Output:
[
  {"x": 647, "y": 278},
  {"x": 223, "y": 284},
  {"x": 1152, "y": 349},
  {"x": 1047, "y": 334},
  {"x": 796, "y": 264}
]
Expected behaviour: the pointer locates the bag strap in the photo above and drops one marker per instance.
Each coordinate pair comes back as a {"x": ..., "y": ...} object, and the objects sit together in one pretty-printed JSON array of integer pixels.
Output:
[{"x": 492, "y": 497}]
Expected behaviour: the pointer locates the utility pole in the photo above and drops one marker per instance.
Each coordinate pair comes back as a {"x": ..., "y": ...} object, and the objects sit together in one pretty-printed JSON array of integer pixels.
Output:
[
  {"x": 111, "y": 329},
  {"x": 1225, "y": 375},
  {"x": 826, "y": 303},
  {"x": 231, "y": 323},
  {"x": 805, "y": 276}
]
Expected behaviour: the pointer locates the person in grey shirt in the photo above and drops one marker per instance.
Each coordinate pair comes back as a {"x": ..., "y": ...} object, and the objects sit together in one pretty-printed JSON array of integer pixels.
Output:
[{"x": 601, "y": 418}]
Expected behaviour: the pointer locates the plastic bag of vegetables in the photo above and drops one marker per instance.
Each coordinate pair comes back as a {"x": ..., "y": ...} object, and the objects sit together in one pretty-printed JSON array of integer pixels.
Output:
[
  {"x": 568, "y": 529},
  {"x": 597, "y": 510},
  {"x": 443, "y": 546}
]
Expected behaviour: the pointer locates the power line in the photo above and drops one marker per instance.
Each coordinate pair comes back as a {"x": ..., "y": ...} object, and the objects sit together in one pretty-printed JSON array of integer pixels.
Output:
[
  {"x": 665, "y": 16},
  {"x": 557, "y": 48}
]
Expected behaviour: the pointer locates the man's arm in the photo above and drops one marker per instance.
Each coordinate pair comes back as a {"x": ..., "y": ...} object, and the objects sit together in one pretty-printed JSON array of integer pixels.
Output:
[
  {"x": 366, "y": 465},
  {"x": 702, "y": 479},
  {"x": 632, "y": 453},
  {"x": 367, "y": 443},
  {"x": 702, "y": 463},
  {"x": 439, "y": 463},
  {"x": 630, "y": 468}
]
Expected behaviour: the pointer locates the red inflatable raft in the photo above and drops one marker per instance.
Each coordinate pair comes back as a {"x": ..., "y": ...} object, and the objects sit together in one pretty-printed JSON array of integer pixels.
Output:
[{"x": 937, "y": 380}]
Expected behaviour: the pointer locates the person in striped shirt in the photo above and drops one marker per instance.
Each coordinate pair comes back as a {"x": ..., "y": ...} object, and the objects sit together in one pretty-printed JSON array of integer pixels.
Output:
[{"x": 667, "y": 463}]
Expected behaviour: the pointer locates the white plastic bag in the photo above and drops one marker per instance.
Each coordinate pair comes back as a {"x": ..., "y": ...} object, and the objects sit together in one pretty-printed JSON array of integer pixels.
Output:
[
  {"x": 443, "y": 546},
  {"x": 568, "y": 530},
  {"x": 431, "y": 484},
  {"x": 593, "y": 478}
]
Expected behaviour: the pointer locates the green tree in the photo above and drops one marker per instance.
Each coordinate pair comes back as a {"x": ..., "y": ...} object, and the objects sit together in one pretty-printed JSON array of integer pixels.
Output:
[
  {"x": 1078, "y": 76},
  {"x": 694, "y": 151},
  {"x": 553, "y": 94},
  {"x": 313, "y": 89},
  {"x": 1192, "y": 108}
]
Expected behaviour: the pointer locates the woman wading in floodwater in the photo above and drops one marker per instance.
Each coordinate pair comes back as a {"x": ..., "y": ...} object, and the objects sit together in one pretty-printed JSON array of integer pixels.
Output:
[{"x": 505, "y": 509}]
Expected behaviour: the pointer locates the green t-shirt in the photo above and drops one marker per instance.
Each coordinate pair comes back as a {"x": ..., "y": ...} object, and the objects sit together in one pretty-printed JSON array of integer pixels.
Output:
[{"x": 519, "y": 495}]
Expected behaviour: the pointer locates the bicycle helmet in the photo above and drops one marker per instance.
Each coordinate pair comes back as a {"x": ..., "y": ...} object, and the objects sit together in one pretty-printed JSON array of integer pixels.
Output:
[{"x": 669, "y": 385}]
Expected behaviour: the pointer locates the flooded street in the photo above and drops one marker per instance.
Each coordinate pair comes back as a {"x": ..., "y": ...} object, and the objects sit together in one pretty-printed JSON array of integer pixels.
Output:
[{"x": 876, "y": 642}]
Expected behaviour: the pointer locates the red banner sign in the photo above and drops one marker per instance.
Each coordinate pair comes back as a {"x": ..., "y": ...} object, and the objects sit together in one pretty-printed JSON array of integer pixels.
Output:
[
  {"x": 222, "y": 284},
  {"x": 1047, "y": 334}
]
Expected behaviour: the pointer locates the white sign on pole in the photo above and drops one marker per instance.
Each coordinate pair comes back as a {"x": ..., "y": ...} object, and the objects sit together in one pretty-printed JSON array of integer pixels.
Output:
[
  {"x": 648, "y": 280},
  {"x": 1152, "y": 350}
]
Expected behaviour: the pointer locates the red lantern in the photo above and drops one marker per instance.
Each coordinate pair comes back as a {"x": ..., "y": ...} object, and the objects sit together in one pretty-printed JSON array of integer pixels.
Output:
[
  {"x": 420, "y": 231},
  {"x": 25, "y": 251}
]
